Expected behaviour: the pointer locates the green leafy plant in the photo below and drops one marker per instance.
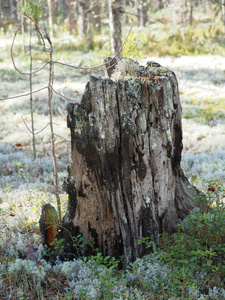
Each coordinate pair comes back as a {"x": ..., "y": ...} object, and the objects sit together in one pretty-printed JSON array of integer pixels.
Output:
[
  {"x": 106, "y": 270},
  {"x": 148, "y": 243},
  {"x": 57, "y": 243},
  {"x": 79, "y": 245},
  {"x": 199, "y": 244}
]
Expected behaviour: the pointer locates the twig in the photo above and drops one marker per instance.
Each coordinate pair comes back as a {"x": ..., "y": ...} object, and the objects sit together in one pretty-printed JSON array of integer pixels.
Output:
[
  {"x": 61, "y": 95},
  {"x": 32, "y": 132},
  {"x": 23, "y": 95},
  {"x": 93, "y": 67},
  {"x": 78, "y": 251},
  {"x": 23, "y": 50},
  {"x": 65, "y": 88},
  {"x": 68, "y": 141},
  {"x": 63, "y": 151},
  {"x": 13, "y": 61}
]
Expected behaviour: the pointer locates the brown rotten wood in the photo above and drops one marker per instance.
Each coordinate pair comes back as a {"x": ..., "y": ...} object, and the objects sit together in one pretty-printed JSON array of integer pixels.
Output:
[
  {"x": 126, "y": 181},
  {"x": 49, "y": 224}
]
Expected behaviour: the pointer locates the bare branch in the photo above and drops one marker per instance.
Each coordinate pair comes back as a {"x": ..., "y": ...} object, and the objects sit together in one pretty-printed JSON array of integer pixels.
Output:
[
  {"x": 23, "y": 95},
  {"x": 13, "y": 61},
  {"x": 36, "y": 71},
  {"x": 31, "y": 130},
  {"x": 61, "y": 95},
  {"x": 63, "y": 151},
  {"x": 12, "y": 50},
  {"x": 68, "y": 141},
  {"x": 23, "y": 50},
  {"x": 65, "y": 88}
]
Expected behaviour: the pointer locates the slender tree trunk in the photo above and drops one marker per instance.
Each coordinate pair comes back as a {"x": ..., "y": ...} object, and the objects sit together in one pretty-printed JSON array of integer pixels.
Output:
[
  {"x": 137, "y": 11},
  {"x": 96, "y": 17},
  {"x": 115, "y": 9},
  {"x": 126, "y": 181},
  {"x": 191, "y": 12},
  {"x": 72, "y": 16},
  {"x": 160, "y": 4},
  {"x": 223, "y": 15},
  {"x": 81, "y": 9},
  {"x": 143, "y": 13},
  {"x": 1, "y": 10},
  {"x": 31, "y": 96},
  {"x": 13, "y": 7},
  {"x": 52, "y": 17}
]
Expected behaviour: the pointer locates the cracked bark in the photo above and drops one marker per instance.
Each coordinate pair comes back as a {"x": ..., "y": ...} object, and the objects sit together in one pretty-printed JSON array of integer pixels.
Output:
[{"x": 125, "y": 181}]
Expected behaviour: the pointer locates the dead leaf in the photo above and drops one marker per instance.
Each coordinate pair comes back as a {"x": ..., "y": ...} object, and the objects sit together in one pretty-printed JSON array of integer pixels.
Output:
[{"x": 18, "y": 145}]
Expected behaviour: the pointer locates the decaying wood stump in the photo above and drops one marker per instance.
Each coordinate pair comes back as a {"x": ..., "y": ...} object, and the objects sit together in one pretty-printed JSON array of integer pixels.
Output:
[
  {"x": 126, "y": 181},
  {"x": 48, "y": 224}
]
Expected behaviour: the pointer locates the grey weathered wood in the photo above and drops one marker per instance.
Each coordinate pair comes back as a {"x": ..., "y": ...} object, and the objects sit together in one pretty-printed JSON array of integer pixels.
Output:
[{"x": 126, "y": 181}]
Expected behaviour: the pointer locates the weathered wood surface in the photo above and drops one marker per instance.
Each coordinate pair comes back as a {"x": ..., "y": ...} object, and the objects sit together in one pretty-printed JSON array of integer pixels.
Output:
[{"x": 126, "y": 181}]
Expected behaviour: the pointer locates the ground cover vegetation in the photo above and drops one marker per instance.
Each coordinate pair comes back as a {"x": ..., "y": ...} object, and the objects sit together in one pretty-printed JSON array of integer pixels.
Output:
[{"x": 188, "y": 264}]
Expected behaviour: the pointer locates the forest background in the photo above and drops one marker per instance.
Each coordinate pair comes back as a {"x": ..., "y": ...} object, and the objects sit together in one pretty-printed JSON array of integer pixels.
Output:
[{"x": 186, "y": 36}]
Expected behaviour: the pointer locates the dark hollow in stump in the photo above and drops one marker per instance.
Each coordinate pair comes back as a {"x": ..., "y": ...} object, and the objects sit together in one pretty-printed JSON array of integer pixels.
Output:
[{"x": 126, "y": 181}]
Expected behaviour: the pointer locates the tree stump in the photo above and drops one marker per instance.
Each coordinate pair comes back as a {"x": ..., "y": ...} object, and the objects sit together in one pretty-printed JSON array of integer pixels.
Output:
[{"x": 125, "y": 181}]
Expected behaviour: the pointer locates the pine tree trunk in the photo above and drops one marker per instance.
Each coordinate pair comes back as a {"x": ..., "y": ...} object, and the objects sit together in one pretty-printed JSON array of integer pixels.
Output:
[
  {"x": 72, "y": 17},
  {"x": 126, "y": 181},
  {"x": 143, "y": 13},
  {"x": 81, "y": 16},
  {"x": 96, "y": 17},
  {"x": 115, "y": 9},
  {"x": 223, "y": 14},
  {"x": 52, "y": 17}
]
